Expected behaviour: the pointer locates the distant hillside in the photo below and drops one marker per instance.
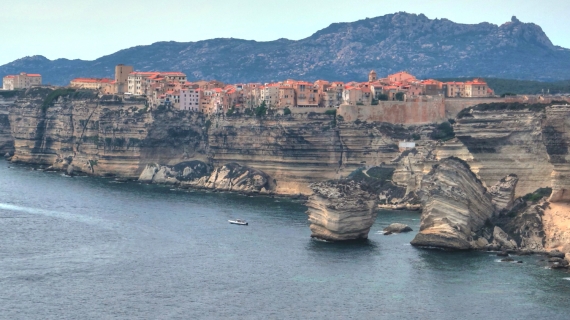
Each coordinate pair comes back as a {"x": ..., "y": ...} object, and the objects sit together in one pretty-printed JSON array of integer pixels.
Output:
[
  {"x": 342, "y": 51},
  {"x": 502, "y": 86}
]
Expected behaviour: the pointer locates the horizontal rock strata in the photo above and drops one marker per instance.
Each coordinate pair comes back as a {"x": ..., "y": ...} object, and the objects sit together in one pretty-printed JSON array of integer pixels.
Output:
[
  {"x": 340, "y": 211},
  {"x": 455, "y": 206}
]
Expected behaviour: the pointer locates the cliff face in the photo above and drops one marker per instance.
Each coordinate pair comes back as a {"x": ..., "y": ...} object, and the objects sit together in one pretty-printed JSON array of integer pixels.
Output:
[
  {"x": 556, "y": 136},
  {"x": 100, "y": 136},
  {"x": 455, "y": 206},
  {"x": 340, "y": 211},
  {"x": 503, "y": 142},
  {"x": 6, "y": 140},
  {"x": 105, "y": 136},
  {"x": 301, "y": 149}
]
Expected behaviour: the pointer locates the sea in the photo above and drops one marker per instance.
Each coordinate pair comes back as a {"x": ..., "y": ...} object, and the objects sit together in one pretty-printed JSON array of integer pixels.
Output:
[{"x": 96, "y": 248}]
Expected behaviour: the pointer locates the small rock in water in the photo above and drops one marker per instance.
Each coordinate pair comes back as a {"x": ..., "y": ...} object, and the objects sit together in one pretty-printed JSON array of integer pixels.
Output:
[
  {"x": 507, "y": 260},
  {"x": 397, "y": 228},
  {"x": 519, "y": 261},
  {"x": 502, "y": 254}
]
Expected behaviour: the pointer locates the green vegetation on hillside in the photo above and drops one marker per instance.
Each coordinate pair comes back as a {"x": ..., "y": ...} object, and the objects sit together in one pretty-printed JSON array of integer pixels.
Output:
[
  {"x": 444, "y": 131},
  {"x": 54, "y": 95},
  {"x": 512, "y": 86},
  {"x": 538, "y": 194},
  {"x": 8, "y": 94}
]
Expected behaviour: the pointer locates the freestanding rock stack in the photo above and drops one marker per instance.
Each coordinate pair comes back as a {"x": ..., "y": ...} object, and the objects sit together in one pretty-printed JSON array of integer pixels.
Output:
[
  {"x": 340, "y": 211},
  {"x": 455, "y": 206}
]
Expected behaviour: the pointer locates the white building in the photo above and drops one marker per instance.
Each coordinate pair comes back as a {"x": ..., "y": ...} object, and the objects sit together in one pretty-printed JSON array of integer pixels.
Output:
[
  {"x": 139, "y": 82},
  {"x": 270, "y": 94},
  {"x": 21, "y": 81},
  {"x": 190, "y": 99}
]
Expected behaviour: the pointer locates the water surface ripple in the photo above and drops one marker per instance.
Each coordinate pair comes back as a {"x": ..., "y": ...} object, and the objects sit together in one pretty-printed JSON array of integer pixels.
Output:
[{"x": 90, "y": 248}]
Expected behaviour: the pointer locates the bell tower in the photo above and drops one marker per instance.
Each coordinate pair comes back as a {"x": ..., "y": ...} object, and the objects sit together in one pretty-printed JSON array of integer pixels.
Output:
[{"x": 372, "y": 76}]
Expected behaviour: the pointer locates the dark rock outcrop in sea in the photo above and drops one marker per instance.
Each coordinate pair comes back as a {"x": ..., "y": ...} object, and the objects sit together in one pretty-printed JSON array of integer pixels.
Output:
[{"x": 397, "y": 228}]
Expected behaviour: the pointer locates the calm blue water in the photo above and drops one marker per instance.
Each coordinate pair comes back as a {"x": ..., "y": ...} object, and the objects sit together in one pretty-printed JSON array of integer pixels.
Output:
[{"x": 87, "y": 248}]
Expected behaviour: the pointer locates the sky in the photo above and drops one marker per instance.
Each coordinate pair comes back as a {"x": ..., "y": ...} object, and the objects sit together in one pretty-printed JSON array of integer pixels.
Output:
[{"x": 89, "y": 29}]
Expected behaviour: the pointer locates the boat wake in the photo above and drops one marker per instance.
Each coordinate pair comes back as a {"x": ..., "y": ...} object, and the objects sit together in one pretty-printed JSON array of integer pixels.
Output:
[{"x": 56, "y": 214}]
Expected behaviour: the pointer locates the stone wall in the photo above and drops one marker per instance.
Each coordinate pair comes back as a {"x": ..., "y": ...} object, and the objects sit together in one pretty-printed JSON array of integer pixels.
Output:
[{"x": 422, "y": 111}]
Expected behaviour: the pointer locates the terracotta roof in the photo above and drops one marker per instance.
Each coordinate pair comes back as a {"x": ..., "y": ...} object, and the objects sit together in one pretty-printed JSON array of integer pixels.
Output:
[
  {"x": 33, "y": 75},
  {"x": 92, "y": 80},
  {"x": 9, "y": 77}
]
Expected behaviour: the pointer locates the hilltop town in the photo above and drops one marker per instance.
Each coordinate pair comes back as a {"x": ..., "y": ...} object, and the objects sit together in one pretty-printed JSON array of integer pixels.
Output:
[{"x": 172, "y": 89}]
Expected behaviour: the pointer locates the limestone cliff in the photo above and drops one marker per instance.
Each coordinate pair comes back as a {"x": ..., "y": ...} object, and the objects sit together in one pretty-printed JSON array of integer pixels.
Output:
[
  {"x": 557, "y": 139},
  {"x": 101, "y": 135},
  {"x": 111, "y": 136},
  {"x": 455, "y": 206},
  {"x": 503, "y": 193},
  {"x": 340, "y": 211},
  {"x": 506, "y": 141}
]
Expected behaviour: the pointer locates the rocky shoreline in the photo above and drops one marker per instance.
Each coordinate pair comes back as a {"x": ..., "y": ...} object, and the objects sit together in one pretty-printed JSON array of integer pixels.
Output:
[{"x": 346, "y": 170}]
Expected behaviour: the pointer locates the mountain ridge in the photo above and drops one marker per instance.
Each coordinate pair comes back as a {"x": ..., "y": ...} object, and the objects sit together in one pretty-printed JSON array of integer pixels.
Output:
[{"x": 342, "y": 51}]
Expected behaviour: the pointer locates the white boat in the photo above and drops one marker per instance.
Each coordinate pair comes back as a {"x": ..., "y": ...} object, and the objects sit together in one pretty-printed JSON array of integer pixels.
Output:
[{"x": 238, "y": 221}]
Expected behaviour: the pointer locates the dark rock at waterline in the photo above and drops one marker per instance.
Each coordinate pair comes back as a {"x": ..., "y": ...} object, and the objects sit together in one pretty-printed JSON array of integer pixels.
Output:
[
  {"x": 397, "y": 228},
  {"x": 556, "y": 254},
  {"x": 502, "y": 254},
  {"x": 519, "y": 261},
  {"x": 507, "y": 260},
  {"x": 387, "y": 233},
  {"x": 442, "y": 241},
  {"x": 70, "y": 170},
  {"x": 555, "y": 260}
]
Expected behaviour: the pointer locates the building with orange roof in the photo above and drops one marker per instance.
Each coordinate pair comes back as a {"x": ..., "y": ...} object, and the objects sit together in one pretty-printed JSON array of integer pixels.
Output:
[
  {"x": 103, "y": 85},
  {"x": 286, "y": 97},
  {"x": 306, "y": 94},
  {"x": 270, "y": 94},
  {"x": 476, "y": 88},
  {"x": 454, "y": 89},
  {"x": 432, "y": 87},
  {"x": 139, "y": 82},
  {"x": 403, "y": 77},
  {"x": 21, "y": 81}
]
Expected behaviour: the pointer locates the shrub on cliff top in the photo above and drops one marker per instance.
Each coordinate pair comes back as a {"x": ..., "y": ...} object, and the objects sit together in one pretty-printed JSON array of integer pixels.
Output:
[
  {"x": 261, "y": 110},
  {"x": 8, "y": 94},
  {"x": 54, "y": 95},
  {"x": 444, "y": 131},
  {"x": 538, "y": 194}
]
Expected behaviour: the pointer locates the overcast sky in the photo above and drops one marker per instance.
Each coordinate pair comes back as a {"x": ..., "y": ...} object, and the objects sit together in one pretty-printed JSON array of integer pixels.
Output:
[{"x": 88, "y": 29}]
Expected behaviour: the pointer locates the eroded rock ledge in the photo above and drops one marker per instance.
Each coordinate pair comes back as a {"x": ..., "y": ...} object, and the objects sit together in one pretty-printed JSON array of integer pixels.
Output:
[
  {"x": 341, "y": 210},
  {"x": 455, "y": 206},
  {"x": 196, "y": 174}
]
